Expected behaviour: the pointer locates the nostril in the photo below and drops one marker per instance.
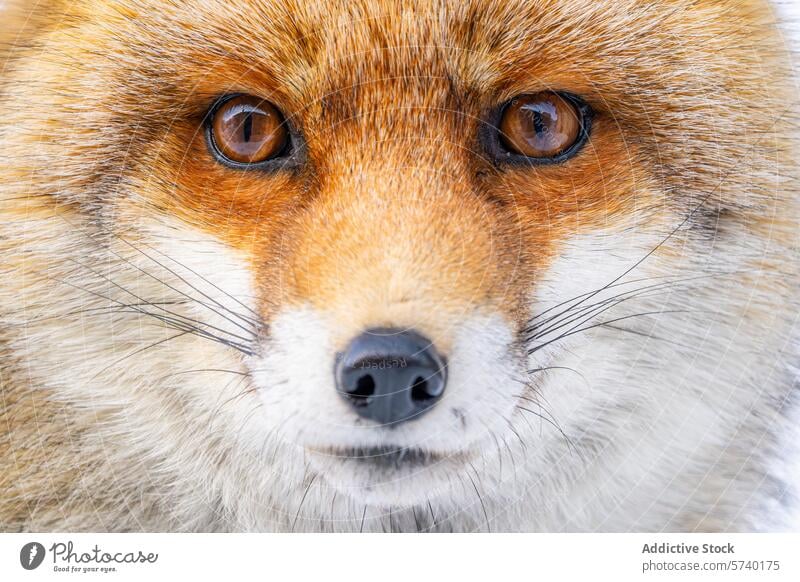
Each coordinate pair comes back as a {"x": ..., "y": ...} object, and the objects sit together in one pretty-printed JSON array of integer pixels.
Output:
[
  {"x": 364, "y": 388},
  {"x": 419, "y": 390}
]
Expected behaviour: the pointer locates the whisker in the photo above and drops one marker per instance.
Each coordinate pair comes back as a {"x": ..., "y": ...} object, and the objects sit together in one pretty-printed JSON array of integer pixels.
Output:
[
  {"x": 181, "y": 322},
  {"x": 480, "y": 498},
  {"x": 192, "y": 299},
  {"x": 90, "y": 310},
  {"x": 305, "y": 493},
  {"x": 159, "y": 307},
  {"x": 637, "y": 291},
  {"x": 573, "y": 330},
  {"x": 199, "y": 370},
  {"x": 171, "y": 322},
  {"x": 587, "y": 312},
  {"x": 139, "y": 351},
  {"x": 546, "y": 368},
  {"x": 433, "y": 515},
  {"x": 644, "y": 334},
  {"x": 204, "y": 279},
  {"x": 548, "y": 421},
  {"x": 621, "y": 284},
  {"x": 250, "y": 389}
]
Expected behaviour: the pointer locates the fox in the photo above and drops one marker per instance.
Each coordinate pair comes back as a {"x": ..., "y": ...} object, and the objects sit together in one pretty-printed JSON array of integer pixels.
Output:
[{"x": 382, "y": 266}]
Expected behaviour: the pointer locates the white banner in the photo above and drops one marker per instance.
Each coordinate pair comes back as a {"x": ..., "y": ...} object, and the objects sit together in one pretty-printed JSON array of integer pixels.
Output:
[{"x": 406, "y": 557}]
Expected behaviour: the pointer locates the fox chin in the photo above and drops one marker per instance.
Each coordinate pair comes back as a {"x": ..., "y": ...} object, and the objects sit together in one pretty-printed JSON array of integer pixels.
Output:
[{"x": 286, "y": 265}]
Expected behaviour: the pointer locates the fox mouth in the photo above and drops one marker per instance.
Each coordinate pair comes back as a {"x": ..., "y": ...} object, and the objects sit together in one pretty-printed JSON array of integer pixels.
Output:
[{"x": 385, "y": 456}]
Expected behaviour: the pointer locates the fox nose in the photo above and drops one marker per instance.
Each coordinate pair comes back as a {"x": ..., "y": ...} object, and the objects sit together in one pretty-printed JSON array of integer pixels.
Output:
[{"x": 391, "y": 375}]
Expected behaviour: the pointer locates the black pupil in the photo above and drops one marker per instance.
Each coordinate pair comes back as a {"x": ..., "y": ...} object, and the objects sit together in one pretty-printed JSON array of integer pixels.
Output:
[
  {"x": 247, "y": 126},
  {"x": 538, "y": 125},
  {"x": 541, "y": 120}
]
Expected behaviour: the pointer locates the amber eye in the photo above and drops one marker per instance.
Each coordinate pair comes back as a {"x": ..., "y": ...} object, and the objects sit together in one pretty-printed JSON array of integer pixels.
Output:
[
  {"x": 247, "y": 130},
  {"x": 543, "y": 125}
]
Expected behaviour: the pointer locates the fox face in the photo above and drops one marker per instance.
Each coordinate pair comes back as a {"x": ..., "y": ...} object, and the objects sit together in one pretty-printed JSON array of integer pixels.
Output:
[{"x": 431, "y": 266}]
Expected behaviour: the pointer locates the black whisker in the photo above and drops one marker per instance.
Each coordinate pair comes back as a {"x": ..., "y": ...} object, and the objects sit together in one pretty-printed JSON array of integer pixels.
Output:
[
  {"x": 578, "y": 329},
  {"x": 305, "y": 493},
  {"x": 587, "y": 312},
  {"x": 548, "y": 421},
  {"x": 139, "y": 351},
  {"x": 199, "y": 370},
  {"x": 643, "y": 334},
  {"x": 480, "y": 498},
  {"x": 255, "y": 313},
  {"x": 433, "y": 515},
  {"x": 160, "y": 308},
  {"x": 634, "y": 292},
  {"x": 576, "y": 297},
  {"x": 184, "y": 294},
  {"x": 178, "y": 324},
  {"x": 248, "y": 320}
]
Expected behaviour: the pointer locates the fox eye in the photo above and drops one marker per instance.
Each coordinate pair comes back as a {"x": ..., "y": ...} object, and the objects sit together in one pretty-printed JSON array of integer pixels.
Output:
[
  {"x": 247, "y": 130},
  {"x": 546, "y": 126}
]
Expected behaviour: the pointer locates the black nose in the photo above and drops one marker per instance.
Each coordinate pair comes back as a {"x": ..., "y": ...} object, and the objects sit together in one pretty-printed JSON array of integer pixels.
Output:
[{"x": 390, "y": 376}]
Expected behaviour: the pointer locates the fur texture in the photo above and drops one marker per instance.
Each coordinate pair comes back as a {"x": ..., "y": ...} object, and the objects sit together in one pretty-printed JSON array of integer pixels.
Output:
[{"x": 618, "y": 327}]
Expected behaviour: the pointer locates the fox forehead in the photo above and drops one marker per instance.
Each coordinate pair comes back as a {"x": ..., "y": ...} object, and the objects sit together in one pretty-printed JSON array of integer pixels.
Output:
[{"x": 340, "y": 52}]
